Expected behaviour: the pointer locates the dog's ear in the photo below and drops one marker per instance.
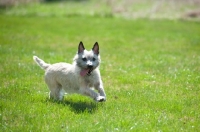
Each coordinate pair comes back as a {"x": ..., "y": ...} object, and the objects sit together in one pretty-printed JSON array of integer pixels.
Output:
[
  {"x": 96, "y": 48},
  {"x": 81, "y": 47}
]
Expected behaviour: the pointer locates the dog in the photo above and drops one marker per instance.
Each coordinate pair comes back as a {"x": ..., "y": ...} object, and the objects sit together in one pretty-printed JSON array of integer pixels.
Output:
[{"x": 81, "y": 77}]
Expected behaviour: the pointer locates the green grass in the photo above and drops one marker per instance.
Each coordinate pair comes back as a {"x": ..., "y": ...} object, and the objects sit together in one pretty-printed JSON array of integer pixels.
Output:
[
  {"x": 133, "y": 9},
  {"x": 150, "y": 70}
]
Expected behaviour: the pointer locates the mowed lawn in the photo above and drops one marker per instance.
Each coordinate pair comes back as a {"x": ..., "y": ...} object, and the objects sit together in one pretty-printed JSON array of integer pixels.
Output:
[{"x": 150, "y": 70}]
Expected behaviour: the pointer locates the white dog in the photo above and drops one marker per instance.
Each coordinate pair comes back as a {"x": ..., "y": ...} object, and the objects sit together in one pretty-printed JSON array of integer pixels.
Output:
[{"x": 80, "y": 77}]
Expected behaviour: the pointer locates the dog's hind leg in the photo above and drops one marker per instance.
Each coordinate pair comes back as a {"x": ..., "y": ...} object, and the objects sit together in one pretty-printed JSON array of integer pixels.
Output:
[
  {"x": 56, "y": 91},
  {"x": 56, "y": 94}
]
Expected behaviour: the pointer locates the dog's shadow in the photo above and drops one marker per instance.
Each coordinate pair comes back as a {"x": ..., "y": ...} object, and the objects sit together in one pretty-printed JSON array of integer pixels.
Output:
[{"x": 78, "y": 106}]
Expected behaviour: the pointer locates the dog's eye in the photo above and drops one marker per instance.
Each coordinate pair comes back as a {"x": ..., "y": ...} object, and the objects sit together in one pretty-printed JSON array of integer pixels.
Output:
[
  {"x": 84, "y": 59},
  {"x": 93, "y": 59}
]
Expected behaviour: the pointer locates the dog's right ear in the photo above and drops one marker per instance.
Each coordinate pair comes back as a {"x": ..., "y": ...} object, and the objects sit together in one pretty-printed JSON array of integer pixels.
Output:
[{"x": 81, "y": 47}]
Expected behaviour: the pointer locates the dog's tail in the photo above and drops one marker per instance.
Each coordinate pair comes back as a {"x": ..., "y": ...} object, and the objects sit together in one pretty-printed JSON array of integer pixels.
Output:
[{"x": 41, "y": 63}]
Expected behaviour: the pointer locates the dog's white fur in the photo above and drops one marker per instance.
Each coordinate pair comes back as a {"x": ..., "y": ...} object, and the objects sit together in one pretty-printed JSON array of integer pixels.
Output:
[{"x": 72, "y": 78}]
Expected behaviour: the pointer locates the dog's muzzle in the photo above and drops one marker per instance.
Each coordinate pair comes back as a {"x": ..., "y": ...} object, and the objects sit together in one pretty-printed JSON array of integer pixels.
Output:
[
  {"x": 90, "y": 67},
  {"x": 90, "y": 71},
  {"x": 86, "y": 71}
]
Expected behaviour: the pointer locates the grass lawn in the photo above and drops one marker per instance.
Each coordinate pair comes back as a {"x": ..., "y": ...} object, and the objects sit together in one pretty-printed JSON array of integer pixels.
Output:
[{"x": 150, "y": 70}]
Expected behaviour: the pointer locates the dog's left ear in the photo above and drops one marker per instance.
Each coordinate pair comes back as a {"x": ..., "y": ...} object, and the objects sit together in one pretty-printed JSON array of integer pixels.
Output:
[
  {"x": 96, "y": 48},
  {"x": 81, "y": 47}
]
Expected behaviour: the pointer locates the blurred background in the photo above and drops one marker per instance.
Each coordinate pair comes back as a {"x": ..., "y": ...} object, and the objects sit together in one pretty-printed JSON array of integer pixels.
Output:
[{"x": 159, "y": 9}]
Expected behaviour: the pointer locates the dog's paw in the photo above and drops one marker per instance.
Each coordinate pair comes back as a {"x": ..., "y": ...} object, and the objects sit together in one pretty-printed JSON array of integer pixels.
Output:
[{"x": 100, "y": 99}]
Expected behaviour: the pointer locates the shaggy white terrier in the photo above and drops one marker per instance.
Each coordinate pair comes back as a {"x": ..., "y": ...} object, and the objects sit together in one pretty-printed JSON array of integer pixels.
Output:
[{"x": 80, "y": 77}]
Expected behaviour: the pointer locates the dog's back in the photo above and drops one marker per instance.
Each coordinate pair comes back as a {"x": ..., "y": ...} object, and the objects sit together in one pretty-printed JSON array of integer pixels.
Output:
[{"x": 62, "y": 75}]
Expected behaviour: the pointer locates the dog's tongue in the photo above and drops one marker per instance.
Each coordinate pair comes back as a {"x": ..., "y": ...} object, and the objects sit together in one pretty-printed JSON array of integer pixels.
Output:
[{"x": 84, "y": 72}]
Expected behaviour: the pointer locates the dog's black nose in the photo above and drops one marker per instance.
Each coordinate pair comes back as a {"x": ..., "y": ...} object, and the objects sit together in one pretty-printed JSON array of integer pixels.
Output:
[{"x": 90, "y": 66}]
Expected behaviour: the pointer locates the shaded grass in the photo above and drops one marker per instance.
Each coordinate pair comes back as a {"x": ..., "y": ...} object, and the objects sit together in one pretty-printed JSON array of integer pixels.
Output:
[
  {"x": 131, "y": 9},
  {"x": 150, "y": 70}
]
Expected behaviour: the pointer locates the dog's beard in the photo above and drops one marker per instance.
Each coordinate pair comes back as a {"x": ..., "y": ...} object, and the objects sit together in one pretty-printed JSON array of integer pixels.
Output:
[{"x": 85, "y": 72}]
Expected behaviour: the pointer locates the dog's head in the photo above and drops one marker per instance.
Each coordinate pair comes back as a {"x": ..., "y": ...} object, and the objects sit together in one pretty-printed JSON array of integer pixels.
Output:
[{"x": 87, "y": 61}]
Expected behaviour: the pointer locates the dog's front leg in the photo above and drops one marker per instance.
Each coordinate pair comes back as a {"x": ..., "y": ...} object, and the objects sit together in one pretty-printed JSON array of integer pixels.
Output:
[
  {"x": 89, "y": 92},
  {"x": 99, "y": 87}
]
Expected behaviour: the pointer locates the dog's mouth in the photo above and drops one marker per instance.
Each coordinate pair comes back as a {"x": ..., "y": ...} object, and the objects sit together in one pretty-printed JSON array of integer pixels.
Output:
[{"x": 87, "y": 71}]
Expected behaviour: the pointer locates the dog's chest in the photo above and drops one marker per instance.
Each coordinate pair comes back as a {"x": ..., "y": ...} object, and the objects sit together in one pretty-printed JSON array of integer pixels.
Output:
[{"x": 91, "y": 80}]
